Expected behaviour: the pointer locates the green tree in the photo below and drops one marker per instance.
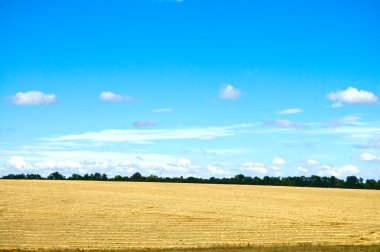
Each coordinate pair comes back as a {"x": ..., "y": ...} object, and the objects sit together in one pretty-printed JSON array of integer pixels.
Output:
[
  {"x": 56, "y": 176},
  {"x": 104, "y": 176},
  {"x": 118, "y": 178},
  {"x": 353, "y": 182},
  {"x": 97, "y": 176},
  {"x": 136, "y": 177},
  {"x": 75, "y": 177}
]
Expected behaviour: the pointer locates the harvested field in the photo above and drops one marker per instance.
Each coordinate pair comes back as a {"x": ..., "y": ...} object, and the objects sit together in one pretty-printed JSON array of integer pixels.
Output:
[{"x": 122, "y": 215}]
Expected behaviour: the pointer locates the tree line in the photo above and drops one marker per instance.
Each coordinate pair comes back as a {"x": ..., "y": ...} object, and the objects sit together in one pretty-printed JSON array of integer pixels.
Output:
[{"x": 240, "y": 179}]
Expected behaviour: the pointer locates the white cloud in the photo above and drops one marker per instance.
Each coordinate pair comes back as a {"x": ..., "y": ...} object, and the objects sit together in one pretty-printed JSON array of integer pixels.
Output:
[
  {"x": 144, "y": 123},
  {"x": 110, "y": 96},
  {"x": 348, "y": 170},
  {"x": 213, "y": 170},
  {"x": 162, "y": 110},
  {"x": 18, "y": 162},
  {"x": 289, "y": 111},
  {"x": 301, "y": 169},
  {"x": 312, "y": 162},
  {"x": 278, "y": 161},
  {"x": 33, "y": 98},
  {"x": 352, "y": 96},
  {"x": 149, "y": 135},
  {"x": 229, "y": 92},
  {"x": 326, "y": 170},
  {"x": 313, "y": 167},
  {"x": 111, "y": 163},
  {"x": 368, "y": 157},
  {"x": 256, "y": 168},
  {"x": 52, "y": 164}
]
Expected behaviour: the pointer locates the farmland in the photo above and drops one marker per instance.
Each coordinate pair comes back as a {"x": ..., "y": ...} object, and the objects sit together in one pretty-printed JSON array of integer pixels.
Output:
[{"x": 93, "y": 215}]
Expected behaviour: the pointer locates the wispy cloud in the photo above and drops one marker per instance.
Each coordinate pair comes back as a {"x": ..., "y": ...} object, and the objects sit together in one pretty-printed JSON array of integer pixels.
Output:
[
  {"x": 373, "y": 143},
  {"x": 175, "y": 1},
  {"x": 31, "y": 98},
  {"x": 162, "y": 110},
  {"x": 149, "y": 135},
  {"x": 144, "y": 123},
  {"x": 352, "y": 96},
  {"x": 352, "y": 131},
  {"x": 357, "y": 131},
  {"x": 289, "y": 111},
  {"x": 349, "y": 120},
  {"x": 223, "y": 152},
  {"x": 229, "y": 92},
  {"x": 284, "y": 124},
  {"x": 110, "y": 96}
]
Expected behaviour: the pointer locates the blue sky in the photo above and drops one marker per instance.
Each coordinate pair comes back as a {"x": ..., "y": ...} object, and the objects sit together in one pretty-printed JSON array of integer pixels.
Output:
[{"x": 191, "y": 88}]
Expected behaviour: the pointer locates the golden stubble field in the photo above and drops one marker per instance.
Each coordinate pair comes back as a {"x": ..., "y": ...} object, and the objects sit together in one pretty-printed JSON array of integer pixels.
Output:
[{"x": 122, "y": 215}]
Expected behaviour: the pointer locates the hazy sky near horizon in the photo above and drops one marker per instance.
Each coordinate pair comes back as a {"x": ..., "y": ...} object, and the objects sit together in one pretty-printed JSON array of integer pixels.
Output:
[{"x": 190, "y": 88}]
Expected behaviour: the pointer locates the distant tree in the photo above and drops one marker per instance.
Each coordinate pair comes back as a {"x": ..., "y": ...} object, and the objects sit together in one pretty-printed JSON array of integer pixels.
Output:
[
  {"x": 56, "y": 176},
  {"x": 96, "y": 176},
  {"x": 267, "y": 180},
  {"x": 15, "y": 176},
  {"x": 118, "y": 178},
  {"x": 152, "y": 178},
  {"x": 75, "y": 177},
  {"x": 239, "y": 177},
  {"x": 370, "y": 184},
  {"x": 257, "y": 181},
  {"x": 33, "y": 176},
  {"x": 136, "y": 177},
  {"x": 191, "y": 179},
  {"x": 353, "y": 182},
  {"x": 315, "y": 181},
  {"x": 334, "y": 182}
]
